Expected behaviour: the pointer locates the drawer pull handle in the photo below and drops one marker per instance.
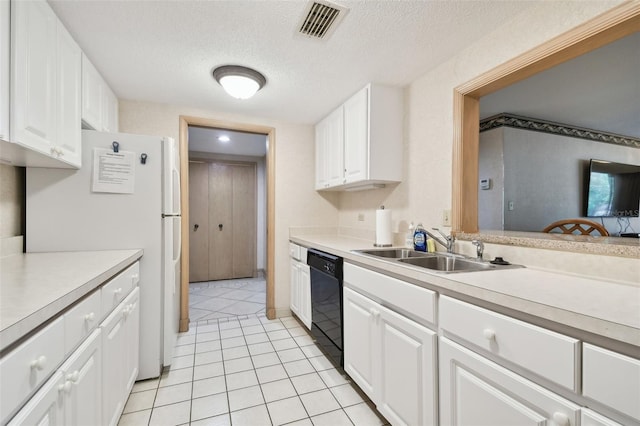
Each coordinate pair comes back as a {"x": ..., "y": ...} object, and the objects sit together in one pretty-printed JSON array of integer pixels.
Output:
[
  {"x": 73, "y": 377},
  {"x": 90, "y": 317},
  {"x": 561, "y": 419},
  {"x": 135, "y": 278},
  {"x": 117, "y": 291},
  {"x": 65, "y": 387},
  {"x": 39, "y": 362},
  {"x": 489, "y": 334}
]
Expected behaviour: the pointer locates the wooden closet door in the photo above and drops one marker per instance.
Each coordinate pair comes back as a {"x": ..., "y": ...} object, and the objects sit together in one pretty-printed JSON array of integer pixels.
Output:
[
  {"x": 198, "y": 222},
  {"x": 221, "y": 236},
  {"x": 244, "y": 220}
]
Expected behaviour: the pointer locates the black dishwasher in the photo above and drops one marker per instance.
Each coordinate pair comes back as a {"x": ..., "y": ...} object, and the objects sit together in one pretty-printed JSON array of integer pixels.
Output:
[{"x": 326, "y": 303}]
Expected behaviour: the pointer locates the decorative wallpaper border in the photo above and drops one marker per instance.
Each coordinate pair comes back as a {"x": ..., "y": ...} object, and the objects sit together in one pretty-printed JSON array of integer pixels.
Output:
[{"x": 537, "y": 125}]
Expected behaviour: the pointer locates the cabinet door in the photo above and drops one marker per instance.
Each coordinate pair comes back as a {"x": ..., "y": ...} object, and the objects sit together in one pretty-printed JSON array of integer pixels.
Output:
[
  {"x": 132, "y": 323},
  {"x": 407, "y": 390},
  {"x": 335, "y": 148},
  {"x": 91, "y": 95},
  {"x": 68, "y": 99},
  {"x": 5, "y": 66},
  {"x": 295, "y": 288},
  {"x": 359, "y": 337},
  {"x": 475, "y": 391},
  {"x": 109, "y": 110},
  {"x": 46, "y": 407},
  {"x": 356, "y": 137},
  {"x": 83, "y": 383},
  {"x": 33, "y": 75},
  {"x": 305, "y": 294},
  {"x": 114, "y": 365}
]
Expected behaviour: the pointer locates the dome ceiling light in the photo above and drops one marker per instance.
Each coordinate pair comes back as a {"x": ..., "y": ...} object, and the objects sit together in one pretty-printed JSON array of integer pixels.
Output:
[{"x": 238, "y": 81}]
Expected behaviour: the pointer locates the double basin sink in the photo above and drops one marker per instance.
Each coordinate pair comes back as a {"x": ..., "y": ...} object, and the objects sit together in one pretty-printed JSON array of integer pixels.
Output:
[{"x": 440, "y": 262}]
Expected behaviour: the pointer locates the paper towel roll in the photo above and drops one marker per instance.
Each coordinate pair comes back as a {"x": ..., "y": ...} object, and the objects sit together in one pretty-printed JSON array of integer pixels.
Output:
[{"x": 383, "y": 228}]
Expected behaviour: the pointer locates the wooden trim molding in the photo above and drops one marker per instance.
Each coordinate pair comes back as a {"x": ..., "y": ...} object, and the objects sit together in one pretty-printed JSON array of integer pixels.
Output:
[
  {"x": 185, "y": 122},
  {"x": 610, "y": 26}
]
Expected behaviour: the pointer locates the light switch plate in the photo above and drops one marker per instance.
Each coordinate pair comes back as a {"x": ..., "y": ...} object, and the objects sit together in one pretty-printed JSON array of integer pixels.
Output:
[{"x": 446, "y": 217}]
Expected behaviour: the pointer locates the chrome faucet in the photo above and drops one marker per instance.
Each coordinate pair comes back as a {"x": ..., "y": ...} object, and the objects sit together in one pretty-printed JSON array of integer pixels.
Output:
[
  {"x": 479, "y": 248},
  {"x": 446, "y": 243}
]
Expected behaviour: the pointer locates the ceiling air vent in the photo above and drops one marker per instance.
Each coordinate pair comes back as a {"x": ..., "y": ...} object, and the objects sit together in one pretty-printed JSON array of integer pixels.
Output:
[{"x": 321, "y": 18}]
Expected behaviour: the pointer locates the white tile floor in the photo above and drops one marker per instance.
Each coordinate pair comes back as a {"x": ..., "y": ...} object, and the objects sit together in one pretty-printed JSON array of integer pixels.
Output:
[
  {"x": 227, "y": 298},
  {"x": 249, "y": 371}
]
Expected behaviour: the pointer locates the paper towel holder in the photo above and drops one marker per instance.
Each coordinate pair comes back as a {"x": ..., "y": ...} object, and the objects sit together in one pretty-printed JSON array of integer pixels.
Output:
[{"x": 382, "y": 245}]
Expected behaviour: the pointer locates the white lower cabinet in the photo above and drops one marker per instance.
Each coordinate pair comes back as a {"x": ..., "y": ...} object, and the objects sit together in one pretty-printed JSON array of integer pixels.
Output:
[
  {"x": 72, "y": 396},
  {"x": 393, "y": 360},
  {"x": 46, "y": 407},
  {"x": 83, "y": 382},
  {"x": 75, "y": 372},
  {"x": 120, "y": 333},
  {"x": 301, "y": 292},
  {"x": 300, "y": 283},
  {"x": 475, "y": 391}
]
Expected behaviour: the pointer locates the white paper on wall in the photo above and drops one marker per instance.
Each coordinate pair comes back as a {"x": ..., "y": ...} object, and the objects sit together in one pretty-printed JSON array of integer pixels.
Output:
[{"x": 113, "y": 172}]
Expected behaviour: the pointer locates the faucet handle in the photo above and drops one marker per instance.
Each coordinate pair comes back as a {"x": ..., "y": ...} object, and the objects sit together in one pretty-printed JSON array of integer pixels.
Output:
[{"x": 479, "y": 248}]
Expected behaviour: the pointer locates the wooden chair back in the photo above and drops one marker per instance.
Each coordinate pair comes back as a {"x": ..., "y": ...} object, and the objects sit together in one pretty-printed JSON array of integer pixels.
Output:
[{"x": 582, "y": 226}]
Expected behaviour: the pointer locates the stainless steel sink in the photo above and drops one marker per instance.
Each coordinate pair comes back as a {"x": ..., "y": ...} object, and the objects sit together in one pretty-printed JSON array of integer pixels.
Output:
[
  {"x": 439, "y": 262},
  {"x": 398, "y": 253},
  {"x": 447, "y": 264}
]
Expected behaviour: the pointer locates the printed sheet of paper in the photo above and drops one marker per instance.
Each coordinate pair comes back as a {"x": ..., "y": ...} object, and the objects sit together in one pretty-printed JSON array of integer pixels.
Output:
[{"x": 113, "y": 171}]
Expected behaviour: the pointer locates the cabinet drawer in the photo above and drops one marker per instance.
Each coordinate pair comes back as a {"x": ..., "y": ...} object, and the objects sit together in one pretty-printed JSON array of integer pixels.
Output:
[
  {"x": 294, "y": 251},
  {"x": 402, "y": 296},
  {"x": 24, "y": 369},
  {"x": 117, "y": 289},
  {"x": 612, "y": 379},
  {"x": 543, "y": 352},
  {"x": 80, "y": 320}
]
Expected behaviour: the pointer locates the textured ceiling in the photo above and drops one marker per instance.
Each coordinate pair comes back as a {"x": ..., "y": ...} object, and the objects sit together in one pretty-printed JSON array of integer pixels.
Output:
[{"x": 164, "y": 51}]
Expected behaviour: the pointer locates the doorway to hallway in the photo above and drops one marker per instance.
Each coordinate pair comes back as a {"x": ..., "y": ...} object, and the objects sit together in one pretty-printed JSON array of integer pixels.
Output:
[{"x": 204, "y": 291}]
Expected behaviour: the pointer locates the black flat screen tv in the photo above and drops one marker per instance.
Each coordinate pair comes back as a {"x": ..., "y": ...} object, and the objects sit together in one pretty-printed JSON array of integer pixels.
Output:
[{"x": 613, "y": 189}]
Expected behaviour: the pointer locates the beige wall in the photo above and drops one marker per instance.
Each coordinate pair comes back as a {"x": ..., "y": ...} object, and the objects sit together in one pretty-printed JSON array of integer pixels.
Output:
[
  {"x": 11, "y": 200},
  {"x": 297, "y": 203}
]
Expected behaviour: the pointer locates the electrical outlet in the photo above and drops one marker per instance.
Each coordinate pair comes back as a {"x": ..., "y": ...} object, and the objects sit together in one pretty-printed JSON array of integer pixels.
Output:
[
  {"x": 446, "y": 217},
  {"x": 510, "y": 206},
  {"x": 360, "y": 217}
]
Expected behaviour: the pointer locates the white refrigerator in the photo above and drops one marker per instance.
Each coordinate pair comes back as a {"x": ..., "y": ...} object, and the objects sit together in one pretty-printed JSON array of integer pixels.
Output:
[{"x": 115, "y": 201}]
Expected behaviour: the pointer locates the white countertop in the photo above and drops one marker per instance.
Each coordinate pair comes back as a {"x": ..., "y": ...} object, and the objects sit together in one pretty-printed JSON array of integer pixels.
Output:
[
  {"x": 35, "y": 287},
  {"x": 595, "y": 306}
]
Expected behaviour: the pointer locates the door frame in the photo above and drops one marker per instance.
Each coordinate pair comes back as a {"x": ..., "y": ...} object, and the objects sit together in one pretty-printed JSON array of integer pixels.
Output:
[{"x": 270, "y": 132}]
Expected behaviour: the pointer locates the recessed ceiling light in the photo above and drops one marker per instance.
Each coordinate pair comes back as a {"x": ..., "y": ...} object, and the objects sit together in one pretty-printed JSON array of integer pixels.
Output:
[
  {"x": 238, "y": 81},
  {"x": 224, "y": 138}
]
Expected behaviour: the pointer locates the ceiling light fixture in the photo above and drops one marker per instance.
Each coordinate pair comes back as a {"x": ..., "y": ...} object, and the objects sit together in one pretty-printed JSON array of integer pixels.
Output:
[
  {"x": 224, "y": 138},
  {"x": 238, "y": 81}
]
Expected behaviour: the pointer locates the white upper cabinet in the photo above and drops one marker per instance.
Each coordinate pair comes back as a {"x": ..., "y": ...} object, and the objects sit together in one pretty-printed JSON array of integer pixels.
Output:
[
  {"x": 91, "y": 95},
  {"x": 68, "y": 98},
  {"x": 99, "y": 103},
  {"x": 109, "y": 110},
  {"x": 356, "y": 137},
  {"x": 330, "y": 151},
  {"x": 360, "y": 143},
  {"x": 5, "y": 61},
  {"x": 45, "y": 89},
  {"x": 34, "y": 75}
]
